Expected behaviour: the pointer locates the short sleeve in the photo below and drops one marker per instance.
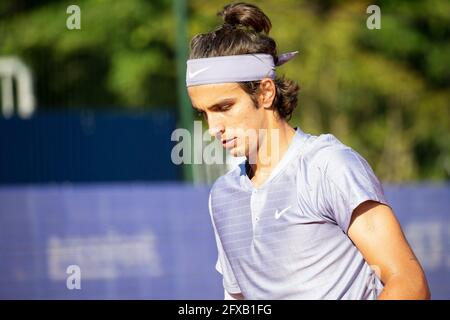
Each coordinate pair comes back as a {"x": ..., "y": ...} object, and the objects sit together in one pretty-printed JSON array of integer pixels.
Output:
[
  {"x": 348, "y": 180},
  {"x": 223, "y": 265}
]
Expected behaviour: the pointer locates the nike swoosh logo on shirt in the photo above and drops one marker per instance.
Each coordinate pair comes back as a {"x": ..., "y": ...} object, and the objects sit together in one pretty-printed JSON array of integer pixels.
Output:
[
  {"x": 195, "y": 73},
  {"x": 278, "y": 214}
]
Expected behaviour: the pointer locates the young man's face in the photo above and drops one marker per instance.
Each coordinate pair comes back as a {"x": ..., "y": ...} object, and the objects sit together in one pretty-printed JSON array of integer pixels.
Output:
[{"x": 232, "y": 116}]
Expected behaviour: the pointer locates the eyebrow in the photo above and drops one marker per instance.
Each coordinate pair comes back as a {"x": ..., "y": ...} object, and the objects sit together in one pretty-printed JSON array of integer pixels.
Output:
[{"x": 219, "y": 104}]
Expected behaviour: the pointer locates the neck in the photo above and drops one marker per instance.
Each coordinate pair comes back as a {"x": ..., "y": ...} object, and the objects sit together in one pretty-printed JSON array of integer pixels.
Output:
[{"x": 272, "y": 147}]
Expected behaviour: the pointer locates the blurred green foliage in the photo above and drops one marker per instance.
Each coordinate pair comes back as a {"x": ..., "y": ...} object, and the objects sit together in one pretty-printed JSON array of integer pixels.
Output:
[{"x": 384, "y": 92}]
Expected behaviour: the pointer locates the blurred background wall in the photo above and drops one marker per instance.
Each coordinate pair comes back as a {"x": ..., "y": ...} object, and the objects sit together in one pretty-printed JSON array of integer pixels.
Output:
[{"x": 86, "y": 176}]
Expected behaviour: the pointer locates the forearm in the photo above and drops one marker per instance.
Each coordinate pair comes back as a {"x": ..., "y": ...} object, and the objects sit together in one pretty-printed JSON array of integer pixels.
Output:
[{"x": 404, "y": 288}]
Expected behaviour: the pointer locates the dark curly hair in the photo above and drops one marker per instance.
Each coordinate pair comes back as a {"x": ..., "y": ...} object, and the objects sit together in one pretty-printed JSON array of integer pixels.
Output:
[{"x": 244, "y": 31}]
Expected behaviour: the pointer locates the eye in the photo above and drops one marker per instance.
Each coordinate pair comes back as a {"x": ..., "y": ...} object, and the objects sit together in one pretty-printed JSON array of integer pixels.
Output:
[
  {"x": 226, "y": 107},
  {"x": 201, "y": 114}
]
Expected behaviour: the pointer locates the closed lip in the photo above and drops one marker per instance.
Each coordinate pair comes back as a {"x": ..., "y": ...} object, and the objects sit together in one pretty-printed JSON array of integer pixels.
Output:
[{"x": 228, "y": 142}]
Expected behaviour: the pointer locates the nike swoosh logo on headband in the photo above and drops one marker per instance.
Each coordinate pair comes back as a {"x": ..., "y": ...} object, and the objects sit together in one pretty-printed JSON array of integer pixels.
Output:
[{"x": 196, "y": 73}]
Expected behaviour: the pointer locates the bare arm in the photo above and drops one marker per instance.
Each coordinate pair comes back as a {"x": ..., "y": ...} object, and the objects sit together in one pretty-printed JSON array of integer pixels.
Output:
[{"x": 376, "y": 232}]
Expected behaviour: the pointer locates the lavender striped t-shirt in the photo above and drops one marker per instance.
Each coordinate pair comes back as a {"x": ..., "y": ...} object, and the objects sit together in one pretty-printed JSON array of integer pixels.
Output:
[{"x": 287, "y": 239}]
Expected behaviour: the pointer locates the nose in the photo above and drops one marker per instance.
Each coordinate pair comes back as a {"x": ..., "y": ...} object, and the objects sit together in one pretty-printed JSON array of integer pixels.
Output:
[{"x": 215, "y": 128}]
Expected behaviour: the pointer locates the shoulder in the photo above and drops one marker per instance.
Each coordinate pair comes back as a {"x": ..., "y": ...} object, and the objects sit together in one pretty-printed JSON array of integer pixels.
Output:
[
  {"x": 228, "y": 182},
  {"x": 230, "y": 178},
  {"x": 343, "y": 169},
  {"x": 339, "y": 179},
  {"x": 325, "y": 159},
  {"x": 325, "y": 152}
]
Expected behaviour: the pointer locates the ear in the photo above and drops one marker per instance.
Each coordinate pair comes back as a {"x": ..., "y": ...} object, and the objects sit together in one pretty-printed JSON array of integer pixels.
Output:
[{"x": 267, "y": 92}]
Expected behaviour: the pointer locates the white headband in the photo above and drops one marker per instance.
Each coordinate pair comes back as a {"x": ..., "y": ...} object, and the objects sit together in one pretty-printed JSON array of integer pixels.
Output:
[{"x": 236, "y": 68}]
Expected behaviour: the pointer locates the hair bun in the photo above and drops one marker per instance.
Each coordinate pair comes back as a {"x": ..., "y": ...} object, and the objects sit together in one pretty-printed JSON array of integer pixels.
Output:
[{"x": 246, "y": 15}]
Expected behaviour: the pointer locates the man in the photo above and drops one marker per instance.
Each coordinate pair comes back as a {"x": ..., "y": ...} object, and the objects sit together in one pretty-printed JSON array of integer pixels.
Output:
[{"x": 304, "y": 217}]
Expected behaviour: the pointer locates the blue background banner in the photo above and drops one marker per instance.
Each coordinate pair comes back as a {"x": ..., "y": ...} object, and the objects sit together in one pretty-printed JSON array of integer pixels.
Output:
[{"x": 155, "y": 241}]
